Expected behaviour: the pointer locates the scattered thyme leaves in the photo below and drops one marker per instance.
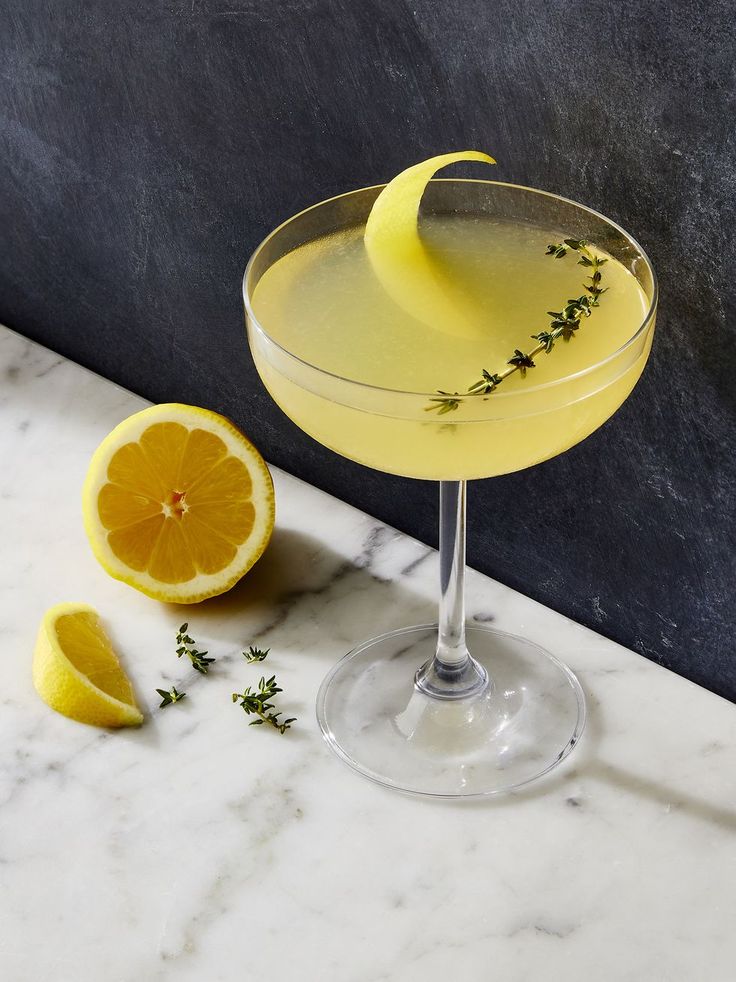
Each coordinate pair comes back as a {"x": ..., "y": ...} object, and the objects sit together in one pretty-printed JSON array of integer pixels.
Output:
[
  {"x": 564, "y": 324},
  {"x": 256, "y": 702}
]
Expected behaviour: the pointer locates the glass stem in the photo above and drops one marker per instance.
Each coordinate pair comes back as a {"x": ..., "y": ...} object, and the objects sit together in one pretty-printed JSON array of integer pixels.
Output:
[
  {"x": 452, "y": 673},
  {"x": 451, "y": 648}
]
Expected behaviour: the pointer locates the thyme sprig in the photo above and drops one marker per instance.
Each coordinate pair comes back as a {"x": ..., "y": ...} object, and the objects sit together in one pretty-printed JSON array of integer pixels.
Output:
[
  {"x": 258, "y": 703},
  {"x": 564, "y": 325},
  {"x": 199, "y": 661},
  {"x": 255, "y": 654},
  {"x": 170, "y": 696}
]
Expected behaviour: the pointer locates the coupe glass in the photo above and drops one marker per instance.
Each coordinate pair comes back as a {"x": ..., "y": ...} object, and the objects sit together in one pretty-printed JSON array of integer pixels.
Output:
[{"x": 446, "y": 710}]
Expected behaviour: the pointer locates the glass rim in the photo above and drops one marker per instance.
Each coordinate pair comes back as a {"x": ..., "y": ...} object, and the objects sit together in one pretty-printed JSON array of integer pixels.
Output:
[{"x": 542, "y": 386}]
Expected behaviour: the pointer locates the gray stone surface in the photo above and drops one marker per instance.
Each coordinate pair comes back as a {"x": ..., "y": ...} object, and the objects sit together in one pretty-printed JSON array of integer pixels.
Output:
[{"x": 147, "y": 147}]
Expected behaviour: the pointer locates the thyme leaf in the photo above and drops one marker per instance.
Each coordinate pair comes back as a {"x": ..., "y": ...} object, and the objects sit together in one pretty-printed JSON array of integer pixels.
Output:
[
  {"x": 170, "y": 696},
  {"x": 255, "y": 654}
]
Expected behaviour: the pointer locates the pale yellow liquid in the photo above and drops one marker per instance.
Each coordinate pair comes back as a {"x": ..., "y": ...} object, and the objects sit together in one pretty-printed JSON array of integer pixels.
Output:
[{"x": 324, "y": 304}]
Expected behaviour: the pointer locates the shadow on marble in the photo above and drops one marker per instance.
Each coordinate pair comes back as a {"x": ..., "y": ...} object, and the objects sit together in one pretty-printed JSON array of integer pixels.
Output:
[
  {"x": 670, "y": 799},
  {"x": 306, "y": 596},
  {"x": 115, "y": 630},
  {"x": 587, "y": 766}
]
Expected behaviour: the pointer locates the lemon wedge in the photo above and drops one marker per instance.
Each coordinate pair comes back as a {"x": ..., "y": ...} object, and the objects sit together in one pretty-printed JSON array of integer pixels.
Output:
[
  {"x": 76, "y": 672},
  {"x": 178, "y": 503},
  {"x": 409, "y": 274}
]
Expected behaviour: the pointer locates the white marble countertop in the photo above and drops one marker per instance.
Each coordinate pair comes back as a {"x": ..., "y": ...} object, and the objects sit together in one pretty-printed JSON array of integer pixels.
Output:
[{"x": 197, "y": 848}]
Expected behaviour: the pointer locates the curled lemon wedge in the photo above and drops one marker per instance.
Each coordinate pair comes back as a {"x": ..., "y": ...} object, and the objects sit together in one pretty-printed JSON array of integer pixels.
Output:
[
  {"x": 402, "y": 262},
  {"x": 76, "y": 672}
]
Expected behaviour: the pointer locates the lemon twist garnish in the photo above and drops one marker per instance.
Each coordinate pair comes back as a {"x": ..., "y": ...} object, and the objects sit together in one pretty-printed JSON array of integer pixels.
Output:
[{"x": 402, "y": 262}]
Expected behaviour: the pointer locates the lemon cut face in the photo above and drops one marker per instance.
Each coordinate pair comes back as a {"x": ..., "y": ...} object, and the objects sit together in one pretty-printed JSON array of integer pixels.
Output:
[
  {"x": 76, "y": 671},
  {"x": 178, "y": 503}
]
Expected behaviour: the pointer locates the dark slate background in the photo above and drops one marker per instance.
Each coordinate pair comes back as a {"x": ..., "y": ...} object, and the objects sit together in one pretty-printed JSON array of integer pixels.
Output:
[{"x": 146, "y": 146}]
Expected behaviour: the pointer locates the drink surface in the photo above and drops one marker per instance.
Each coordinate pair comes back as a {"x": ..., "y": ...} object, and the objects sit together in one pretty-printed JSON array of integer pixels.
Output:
[{"x": 324, "y": 304}]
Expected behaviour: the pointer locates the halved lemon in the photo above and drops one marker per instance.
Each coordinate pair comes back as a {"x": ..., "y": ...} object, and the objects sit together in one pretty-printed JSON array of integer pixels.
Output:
[
  {"x": 76, "y": 672},
  {"x": 178, "y": 503}
]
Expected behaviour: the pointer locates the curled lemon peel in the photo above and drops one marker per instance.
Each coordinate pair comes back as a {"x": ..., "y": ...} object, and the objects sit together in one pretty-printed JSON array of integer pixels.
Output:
[{"x": 412, "y": 277}]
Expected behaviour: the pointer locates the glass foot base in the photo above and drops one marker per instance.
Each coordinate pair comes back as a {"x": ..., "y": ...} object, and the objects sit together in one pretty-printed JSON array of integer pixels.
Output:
[{"x": 525, "y": 723}]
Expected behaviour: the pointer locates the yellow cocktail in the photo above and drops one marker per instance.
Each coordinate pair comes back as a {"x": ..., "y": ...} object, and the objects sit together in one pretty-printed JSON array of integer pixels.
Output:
[
  {"x": 323, "y": 303},
  {"x": 497, "y": 330}
]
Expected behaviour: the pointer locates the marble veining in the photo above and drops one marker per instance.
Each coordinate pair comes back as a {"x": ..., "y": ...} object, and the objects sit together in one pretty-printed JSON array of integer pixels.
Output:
[{"x": 197, "y": 848}]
